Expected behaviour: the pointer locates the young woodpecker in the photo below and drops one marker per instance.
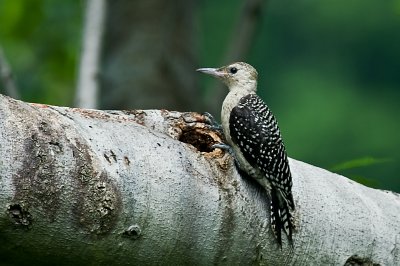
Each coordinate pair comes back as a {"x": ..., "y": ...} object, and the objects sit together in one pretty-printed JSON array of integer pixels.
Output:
[{"x": 253, "y": 133}]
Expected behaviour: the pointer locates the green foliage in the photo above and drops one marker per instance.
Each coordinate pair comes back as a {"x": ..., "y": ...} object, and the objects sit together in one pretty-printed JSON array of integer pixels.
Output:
[
  {"x": 41, "y": 40},
  {"x": 361, "y": 162},
  {"x": 369, "y": 182},
  {"x": 349, "y": 169}
]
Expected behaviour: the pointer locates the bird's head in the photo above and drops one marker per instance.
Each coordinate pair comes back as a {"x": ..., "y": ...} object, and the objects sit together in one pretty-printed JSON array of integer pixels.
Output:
[{"x": 238, "y": 75}]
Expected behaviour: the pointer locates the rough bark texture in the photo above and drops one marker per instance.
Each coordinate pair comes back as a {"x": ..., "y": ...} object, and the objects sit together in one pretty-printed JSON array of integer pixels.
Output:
[{"x": 145, "y": 188}]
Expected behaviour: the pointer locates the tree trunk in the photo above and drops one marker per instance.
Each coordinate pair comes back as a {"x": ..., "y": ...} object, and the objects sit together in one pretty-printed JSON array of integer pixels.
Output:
[
  {"x": 149, "y": 56},
  {"x": 145, "y": 188}
]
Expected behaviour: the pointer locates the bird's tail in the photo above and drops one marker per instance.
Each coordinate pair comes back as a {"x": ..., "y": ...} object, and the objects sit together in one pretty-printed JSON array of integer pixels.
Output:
[{"x": 281, "y": 218}]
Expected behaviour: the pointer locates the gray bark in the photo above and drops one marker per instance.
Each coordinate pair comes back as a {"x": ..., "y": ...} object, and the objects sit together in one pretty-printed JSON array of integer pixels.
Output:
[{"x": 145, "y": 188}]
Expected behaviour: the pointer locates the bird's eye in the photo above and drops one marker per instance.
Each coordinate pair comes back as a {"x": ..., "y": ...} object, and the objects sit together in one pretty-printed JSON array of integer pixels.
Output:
[{"x": 233, "y": 70}]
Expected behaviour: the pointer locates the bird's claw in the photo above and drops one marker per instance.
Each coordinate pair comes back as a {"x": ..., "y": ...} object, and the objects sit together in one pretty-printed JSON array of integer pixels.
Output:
[
  {"x": 224, "y": 147},
  {"x": 221, "y": 146},
  {"x": 228, "y": 149},
  {"x": 208, "y": 118},
  {"x": 212, "y": 122}
]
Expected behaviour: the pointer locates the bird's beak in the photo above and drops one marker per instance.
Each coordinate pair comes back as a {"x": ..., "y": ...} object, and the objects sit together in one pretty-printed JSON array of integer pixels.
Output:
[{"x": 216, "y": 72}]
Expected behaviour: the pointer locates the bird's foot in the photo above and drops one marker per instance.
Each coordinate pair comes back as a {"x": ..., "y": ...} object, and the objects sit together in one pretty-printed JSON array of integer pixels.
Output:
[
  {"x": 212, "y": 122},
  {"x": 223, "y": 146},
  {"x": 228, "y": 149}
]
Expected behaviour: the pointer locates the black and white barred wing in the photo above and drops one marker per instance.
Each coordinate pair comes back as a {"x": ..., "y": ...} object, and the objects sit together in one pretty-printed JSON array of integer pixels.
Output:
[{"x": 254, "y": 129}]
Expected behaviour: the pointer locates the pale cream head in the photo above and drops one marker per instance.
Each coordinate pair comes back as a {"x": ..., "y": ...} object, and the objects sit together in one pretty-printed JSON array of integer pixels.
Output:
[{"x": 237, "y": 76}]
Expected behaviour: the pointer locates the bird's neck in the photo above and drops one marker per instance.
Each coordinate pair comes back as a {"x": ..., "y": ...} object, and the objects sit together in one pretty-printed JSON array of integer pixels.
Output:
[
  {"x": 239, "y": 91},
  {"x": 232, "y": 100},
  {"x": 246, "y": 86}
]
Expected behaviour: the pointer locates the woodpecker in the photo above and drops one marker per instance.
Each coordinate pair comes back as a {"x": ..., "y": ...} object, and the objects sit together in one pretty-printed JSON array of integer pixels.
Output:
[{"x": 252, "y": 132}]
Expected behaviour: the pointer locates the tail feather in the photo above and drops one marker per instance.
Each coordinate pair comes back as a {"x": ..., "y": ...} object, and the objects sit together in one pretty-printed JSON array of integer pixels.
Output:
[{"x": 281, "y": 218}]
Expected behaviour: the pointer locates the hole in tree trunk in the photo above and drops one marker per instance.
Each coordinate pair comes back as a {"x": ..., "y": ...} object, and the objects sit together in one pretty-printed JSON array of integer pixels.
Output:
[{"x": 198, "y": 138}]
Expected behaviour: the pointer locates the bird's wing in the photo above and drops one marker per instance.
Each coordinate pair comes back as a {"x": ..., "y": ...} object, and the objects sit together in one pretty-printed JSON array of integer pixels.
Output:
[{"x": 254, "y": 129}]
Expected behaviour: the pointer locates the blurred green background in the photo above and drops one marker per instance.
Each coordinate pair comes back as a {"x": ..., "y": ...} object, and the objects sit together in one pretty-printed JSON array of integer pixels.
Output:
[{"x": 329, "y": 70}]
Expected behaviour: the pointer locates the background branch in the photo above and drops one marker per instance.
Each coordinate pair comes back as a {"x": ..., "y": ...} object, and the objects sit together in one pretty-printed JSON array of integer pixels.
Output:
[
  {"x": 243, "y": 36},
  {"x": 87, "y": 92},
  {"x": 7, "y": 77}
]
